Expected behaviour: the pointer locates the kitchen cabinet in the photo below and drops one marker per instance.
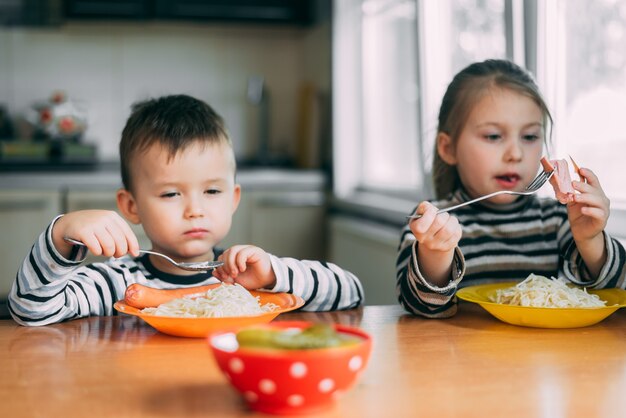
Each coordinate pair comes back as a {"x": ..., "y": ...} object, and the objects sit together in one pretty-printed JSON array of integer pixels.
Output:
[
  {"x": 369, "y": 250},
  {"x": 110, "y": 9},
  {"x": 23, "y": 216},
  {"x": 258, "y": 11},
  {"x": 282, "y": 222},
  {"x": 292, "y": 12},
  {"x": 58, "y": 12}
]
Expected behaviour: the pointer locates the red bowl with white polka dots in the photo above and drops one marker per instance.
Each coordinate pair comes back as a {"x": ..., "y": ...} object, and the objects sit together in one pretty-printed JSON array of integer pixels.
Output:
[{"x": 284, "y": 382}]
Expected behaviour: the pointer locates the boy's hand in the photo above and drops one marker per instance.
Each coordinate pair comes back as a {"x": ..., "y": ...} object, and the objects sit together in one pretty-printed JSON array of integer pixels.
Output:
[
  {"x": 246, "y": 265},
  {"x": 104, "y": 232},
  {"x": 589, "y": 212},
  {"x": 435, "y": 232}
]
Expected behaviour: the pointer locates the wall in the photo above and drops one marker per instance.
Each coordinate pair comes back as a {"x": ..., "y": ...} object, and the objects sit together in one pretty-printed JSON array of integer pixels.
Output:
[{"x": 108, "y": 66}]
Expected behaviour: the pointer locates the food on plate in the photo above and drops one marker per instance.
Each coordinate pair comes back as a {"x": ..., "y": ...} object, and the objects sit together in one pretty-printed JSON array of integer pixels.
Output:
[
  {"x": 561, "y": 180},
  {"x": 140, "y": 296},
  {"x": 225, "y": 300},
  {"x": 315, "y": 336},
  {"x": 541, "y": 292}
]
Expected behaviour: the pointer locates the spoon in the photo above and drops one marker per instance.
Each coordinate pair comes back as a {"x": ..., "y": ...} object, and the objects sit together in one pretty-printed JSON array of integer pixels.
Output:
[{"x": 198, "y": 266}]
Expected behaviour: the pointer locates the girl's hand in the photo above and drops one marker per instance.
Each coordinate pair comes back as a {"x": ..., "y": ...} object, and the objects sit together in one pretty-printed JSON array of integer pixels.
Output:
[
  {"x": 104, "y": 232},
  {"x": 435, "y": 232},
  {"x": 589, "y": 212},
  {"x": 246, "y": 265},
  {"x": 438, "y": 235}
]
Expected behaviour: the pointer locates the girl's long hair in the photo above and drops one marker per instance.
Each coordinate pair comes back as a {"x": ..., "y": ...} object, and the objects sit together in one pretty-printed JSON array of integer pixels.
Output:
[{"x": 462, "y": 94}]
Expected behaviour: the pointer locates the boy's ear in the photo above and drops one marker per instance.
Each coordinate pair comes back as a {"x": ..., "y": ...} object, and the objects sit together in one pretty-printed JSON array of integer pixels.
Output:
[
  {"x": 236, "y": 197},
  {"x": 445, "y": 148},
  {"x": 127, "y": 206}
]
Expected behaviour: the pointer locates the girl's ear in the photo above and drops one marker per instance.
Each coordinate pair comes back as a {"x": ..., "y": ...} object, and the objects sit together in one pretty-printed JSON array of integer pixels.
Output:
[
  {"x": 445, "y": 148},
  {"x": 127, "y": 206}
]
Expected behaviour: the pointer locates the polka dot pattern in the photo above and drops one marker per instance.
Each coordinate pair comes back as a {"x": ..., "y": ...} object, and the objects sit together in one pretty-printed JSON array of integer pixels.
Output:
[
  {"x": 251, "y": 396},
  {"x": 298, "y": 370},
  {"x": 295, "y": 400},
  {"x": 326, "y": 385},
  {"x": 355, "y": 363},
  {"x": 267, "y": 386},
  {"x": 235, "y": 365}
]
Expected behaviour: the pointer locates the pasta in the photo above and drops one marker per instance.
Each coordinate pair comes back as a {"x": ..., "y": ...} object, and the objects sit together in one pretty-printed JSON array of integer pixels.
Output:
[
  {"x": 222, "y": 301},
  {"x": 541, "y": 292}
]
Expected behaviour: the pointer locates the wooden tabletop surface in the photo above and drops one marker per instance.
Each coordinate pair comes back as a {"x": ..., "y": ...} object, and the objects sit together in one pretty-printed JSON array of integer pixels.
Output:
[{"x": 470, "y": 365}]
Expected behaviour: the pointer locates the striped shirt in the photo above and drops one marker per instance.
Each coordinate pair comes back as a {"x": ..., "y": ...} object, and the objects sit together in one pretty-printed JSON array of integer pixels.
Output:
[
  {"x": 50, "y": 288},
  {"x": 502, "y": 243}
]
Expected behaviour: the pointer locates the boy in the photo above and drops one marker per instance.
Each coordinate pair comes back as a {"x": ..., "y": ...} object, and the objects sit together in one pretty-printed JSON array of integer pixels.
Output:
[{"x": 178, "y": 175}]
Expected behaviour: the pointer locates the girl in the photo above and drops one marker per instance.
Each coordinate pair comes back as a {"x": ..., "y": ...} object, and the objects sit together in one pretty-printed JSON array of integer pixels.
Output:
[{"x": 492, "y": 129}]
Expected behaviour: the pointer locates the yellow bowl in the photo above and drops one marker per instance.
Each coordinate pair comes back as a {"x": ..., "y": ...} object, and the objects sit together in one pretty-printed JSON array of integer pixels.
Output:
[
  {"x": 543, "y": 317},
  {"x": 201, "y": 327}
]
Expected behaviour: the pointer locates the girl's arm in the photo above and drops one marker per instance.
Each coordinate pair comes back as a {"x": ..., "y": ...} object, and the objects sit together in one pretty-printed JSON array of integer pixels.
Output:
[
  {"x": 415, "y": 293},
  {"x": 438, "y": 235},
  {"x": 588, "y": 215}
]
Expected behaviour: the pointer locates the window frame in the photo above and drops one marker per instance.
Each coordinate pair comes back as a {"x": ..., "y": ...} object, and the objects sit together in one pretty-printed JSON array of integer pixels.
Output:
[{"x": 525, "y": 25}]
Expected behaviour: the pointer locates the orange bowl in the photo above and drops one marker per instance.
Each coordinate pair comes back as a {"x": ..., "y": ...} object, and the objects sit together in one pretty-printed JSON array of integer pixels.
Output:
[
  {"x": 281, "y": 381},
  {"x": 201, "y": 327}
]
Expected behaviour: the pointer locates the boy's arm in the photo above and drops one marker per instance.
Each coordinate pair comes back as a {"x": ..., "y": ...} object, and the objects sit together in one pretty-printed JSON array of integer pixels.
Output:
[
  {"x": 323, "y": 286},
  {"x": 50, "y": 288},
  {"x": 415, "y": 293}
]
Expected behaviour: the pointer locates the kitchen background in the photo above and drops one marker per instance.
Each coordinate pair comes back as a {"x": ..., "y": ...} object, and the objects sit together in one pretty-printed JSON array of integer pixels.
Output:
[
  {"x": 264, "y": 66},
  {"x": 314, "y": 186},
  {"x": 105, "y": 58}
]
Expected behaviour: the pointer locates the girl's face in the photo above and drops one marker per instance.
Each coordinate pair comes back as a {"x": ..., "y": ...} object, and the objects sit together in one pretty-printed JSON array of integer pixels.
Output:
[
  {"x": 500, "y": 145},
  {"x": 186, "y": 203}
]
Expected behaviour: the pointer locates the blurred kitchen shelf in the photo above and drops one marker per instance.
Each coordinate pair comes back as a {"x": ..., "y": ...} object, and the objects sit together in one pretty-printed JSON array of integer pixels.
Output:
[
  {"x": 24, "y": 150},
  {"x": 41, "y": 166},
  {"x": 266, "y": 162},
  {"x": 291, "y": 12},
  {"x": 46, "y": 156}
]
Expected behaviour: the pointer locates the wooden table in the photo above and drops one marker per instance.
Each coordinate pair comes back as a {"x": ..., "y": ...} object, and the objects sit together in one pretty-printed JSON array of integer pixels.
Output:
[{"x": 470, "y": 365}]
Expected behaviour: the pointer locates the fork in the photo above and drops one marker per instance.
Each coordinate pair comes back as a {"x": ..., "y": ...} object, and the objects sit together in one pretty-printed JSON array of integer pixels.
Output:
[
  {"x": 532, "y": 188},
  {"x": 197, "y": 266}
]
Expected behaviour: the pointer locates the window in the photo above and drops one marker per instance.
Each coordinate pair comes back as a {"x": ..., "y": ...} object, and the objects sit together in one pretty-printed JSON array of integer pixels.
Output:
[
  {"x": 392, "y": 62},
  {"x": 454, "y": 34},
  {"x": 584, "y": 73},
  {"x": 390, "y": 107}
]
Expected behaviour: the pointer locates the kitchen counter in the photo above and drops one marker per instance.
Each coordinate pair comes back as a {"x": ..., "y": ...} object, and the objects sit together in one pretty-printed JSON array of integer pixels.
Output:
[
  {"x": 107, "y": 176},
  {"x": 468, "y": 365}
]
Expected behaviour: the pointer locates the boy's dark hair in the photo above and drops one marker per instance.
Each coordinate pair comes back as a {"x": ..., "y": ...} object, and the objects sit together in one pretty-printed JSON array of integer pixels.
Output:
[
  {"x": 173, "y": 122},
  {"x": 465, "y": 90}
]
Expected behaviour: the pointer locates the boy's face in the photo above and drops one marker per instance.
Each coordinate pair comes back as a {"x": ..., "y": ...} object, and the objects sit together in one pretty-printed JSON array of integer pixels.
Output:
[{"x": 184, "y": 203}]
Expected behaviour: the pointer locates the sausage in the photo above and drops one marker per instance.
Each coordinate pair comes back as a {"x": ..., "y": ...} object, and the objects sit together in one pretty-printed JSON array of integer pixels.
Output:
[
  {"x": 140, "y": 296},
  {"x": 560, "y": 181},
  {"x": 547, "y": 166}
]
